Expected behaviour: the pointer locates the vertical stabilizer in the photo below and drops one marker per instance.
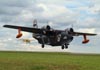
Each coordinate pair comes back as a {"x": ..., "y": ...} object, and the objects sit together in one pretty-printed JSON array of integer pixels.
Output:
[{"x": 35, "y": 23}]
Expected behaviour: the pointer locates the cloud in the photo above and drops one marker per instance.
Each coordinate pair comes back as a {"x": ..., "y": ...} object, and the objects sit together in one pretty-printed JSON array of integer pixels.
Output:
[
  {"x": 16, "y": 3},
  {"x": 9, "y": 9},
  {"x": 88, "y": 30}
]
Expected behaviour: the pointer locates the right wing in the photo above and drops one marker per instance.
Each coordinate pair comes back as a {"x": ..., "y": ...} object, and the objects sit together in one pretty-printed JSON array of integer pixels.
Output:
[
  {"x": 34, "y": 30},
  {"x": 26, "y": 29}
]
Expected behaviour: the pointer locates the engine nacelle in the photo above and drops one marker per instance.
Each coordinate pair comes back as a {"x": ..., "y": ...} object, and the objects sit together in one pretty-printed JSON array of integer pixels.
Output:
[
  {"x": 48, "y": 27},
  {"x": 69, "y": 30}
]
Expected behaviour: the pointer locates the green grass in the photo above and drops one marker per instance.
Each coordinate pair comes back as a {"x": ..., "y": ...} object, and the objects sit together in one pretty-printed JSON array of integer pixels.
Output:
[{"x": 48, "y": 61}]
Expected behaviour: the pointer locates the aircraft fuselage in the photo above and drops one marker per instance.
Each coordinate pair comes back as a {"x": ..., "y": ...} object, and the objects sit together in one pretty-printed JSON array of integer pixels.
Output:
[{"x": 54, "y": 40}]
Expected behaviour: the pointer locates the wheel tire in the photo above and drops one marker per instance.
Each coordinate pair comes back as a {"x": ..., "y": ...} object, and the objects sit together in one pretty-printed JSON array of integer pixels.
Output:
[
  {"x": 42, "y": 45},
  {"x": 66, "y": 46},
  {"x": 62, "y": 47}
]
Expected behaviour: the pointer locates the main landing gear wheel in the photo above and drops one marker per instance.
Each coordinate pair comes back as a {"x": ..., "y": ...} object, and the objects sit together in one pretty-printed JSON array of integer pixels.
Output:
[
  {"x": 62, "y": 47},
  {"x": 65, "y": 46},
  {"x": 42, "y": 45}
]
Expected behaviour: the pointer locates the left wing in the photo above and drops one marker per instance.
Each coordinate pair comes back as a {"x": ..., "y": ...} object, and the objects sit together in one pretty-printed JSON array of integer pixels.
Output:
[
  {"x": 84, "y": 36},
  {"x": 80, "y": 33}
]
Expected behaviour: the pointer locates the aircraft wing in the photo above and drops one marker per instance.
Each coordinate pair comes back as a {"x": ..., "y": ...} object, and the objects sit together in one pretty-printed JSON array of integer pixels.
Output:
[
  {"x": 33, "y": 30},
  {"x": 38, "y": 30},
  {"x": 80, "y": 33},
  {"x": 85, "y": 40},
  {"x": 26, "y": 29}
]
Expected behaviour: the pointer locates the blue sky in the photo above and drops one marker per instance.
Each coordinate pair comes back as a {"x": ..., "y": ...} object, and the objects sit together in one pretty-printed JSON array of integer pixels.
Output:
[{"x": 83, "y": 14}]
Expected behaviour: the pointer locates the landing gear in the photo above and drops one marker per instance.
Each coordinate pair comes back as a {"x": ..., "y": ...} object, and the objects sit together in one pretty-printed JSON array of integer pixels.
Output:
[
  {"x": 65, "y": 46},
  {"x": 42, "y": 45},
  {"x": 42, "y": 41},
  {"x": 62, "y": 47}
]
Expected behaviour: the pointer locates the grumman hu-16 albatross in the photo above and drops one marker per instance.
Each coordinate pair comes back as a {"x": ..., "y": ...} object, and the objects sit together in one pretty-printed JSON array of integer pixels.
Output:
[{"x": 48, "y": 36}]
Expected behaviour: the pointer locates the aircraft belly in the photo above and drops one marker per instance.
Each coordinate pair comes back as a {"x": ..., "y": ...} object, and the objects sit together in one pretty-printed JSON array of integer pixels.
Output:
[
  {"x": 45, "y": 40},
  {"x": 66, "y": 40},
  {"x": 52, "y": 40},
  {"x": 49, "y": 41}
]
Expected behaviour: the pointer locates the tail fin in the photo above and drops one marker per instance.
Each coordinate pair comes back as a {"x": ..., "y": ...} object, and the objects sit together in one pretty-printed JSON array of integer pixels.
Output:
[{"x": 35, "y": 23}]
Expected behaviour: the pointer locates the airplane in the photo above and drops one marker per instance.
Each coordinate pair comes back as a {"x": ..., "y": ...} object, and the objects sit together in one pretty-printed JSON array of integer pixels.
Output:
[
  {"x": 26, "y": 40},
  {"x": 49, "y": 36}
]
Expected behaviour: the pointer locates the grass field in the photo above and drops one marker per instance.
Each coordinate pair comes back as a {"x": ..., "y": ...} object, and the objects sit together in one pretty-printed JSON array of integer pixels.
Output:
[{"x": 48, "y": 61}]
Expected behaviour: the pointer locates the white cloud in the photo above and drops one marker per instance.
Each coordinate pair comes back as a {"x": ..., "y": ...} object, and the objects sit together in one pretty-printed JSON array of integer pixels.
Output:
[
  {"x": 52, "y": 10},
  {"x": 24, "y": 16},
  {"x": 42, "y": 6},
  {"x": 88, "y": 30}
]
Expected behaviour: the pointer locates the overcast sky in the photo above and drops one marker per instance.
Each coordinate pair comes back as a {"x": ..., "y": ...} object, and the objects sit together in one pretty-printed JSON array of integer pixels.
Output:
[{"x": 84, "y": 15}]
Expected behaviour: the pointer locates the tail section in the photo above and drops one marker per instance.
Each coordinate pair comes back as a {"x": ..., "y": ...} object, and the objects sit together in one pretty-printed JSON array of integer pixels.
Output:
[{"x": 35, "y": 23}]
